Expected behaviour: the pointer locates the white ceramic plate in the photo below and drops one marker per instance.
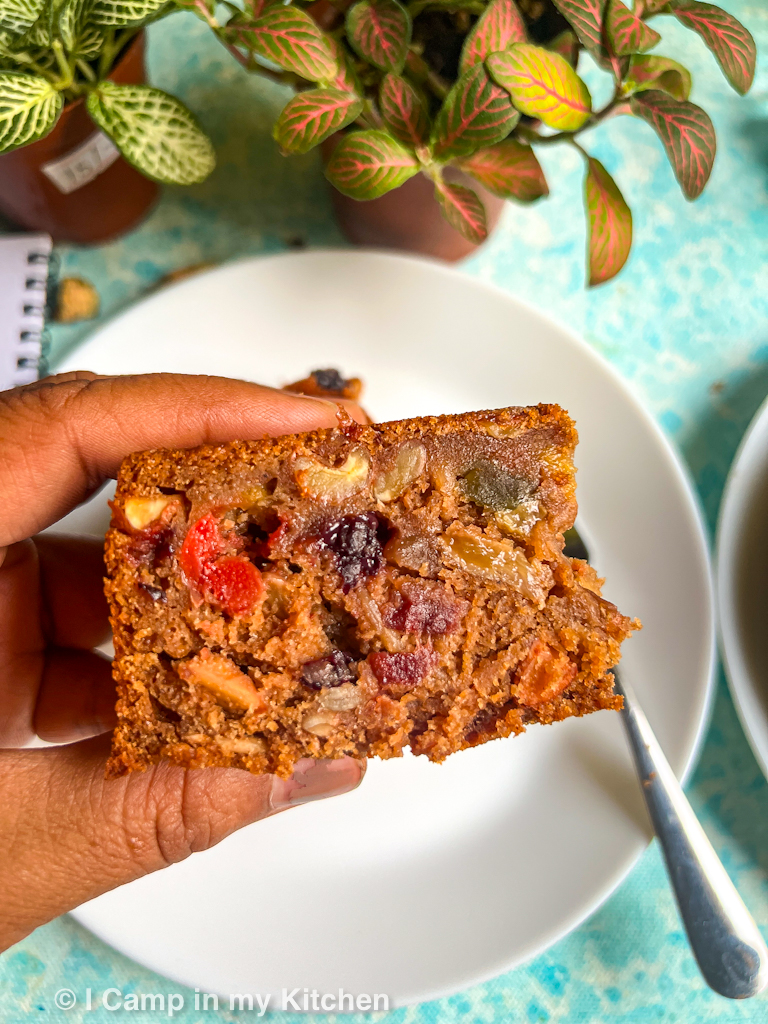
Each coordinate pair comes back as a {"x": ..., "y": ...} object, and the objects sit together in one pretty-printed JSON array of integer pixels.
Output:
[
  {"x": 742, "y": 583},
  {"x": 428, "y": 878}
]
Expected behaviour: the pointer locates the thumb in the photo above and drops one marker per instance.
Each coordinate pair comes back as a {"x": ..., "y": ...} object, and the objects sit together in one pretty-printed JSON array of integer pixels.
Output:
[{"x": 67, "y": 834}]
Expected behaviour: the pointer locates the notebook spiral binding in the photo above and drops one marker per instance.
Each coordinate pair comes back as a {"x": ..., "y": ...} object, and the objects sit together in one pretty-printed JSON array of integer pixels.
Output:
[
  {"x": 27, "y": 268},
  {"x": 34, "y": 338}
]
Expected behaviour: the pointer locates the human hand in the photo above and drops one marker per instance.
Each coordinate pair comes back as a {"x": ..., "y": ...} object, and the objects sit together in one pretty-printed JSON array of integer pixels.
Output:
[{"x": 67, "y": 834}]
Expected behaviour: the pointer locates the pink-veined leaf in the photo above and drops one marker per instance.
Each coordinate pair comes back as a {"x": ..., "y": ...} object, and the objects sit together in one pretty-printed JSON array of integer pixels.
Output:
[
  {"x": 509, "y": 169},
  {"x": 500, "y": 24},
  {"x": 543, "y": 85},
  {"x": 403, "y": 111},
  {"x": 367, "y": 164},
  {"x": 289, "y": 38},
  {"x": 313, "y": 115},
  {"x": 609, "y": 224},
  {"x": 731, "y": 43},
  {"x": 380, "y": 31},
  {"x": 652, "y": 71},
  {"x": 687, "y": 134},
  {"x": 567, "y": 45},
  {"x": 463, "y": 209},
  {"x": 346, "y": 78},
  {"x": 586, "y": 18},
  {"x": 476, "y": 112},
  {"x": 625, "y": 32}
]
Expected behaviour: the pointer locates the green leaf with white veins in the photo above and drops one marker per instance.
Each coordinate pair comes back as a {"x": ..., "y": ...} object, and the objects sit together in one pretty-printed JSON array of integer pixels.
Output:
[
  {"x": 19, "y": 15},
  {"x": 153, "y": 131},
  {"x": 29, "y": 108},
  {"x": 118, "y": 13}
]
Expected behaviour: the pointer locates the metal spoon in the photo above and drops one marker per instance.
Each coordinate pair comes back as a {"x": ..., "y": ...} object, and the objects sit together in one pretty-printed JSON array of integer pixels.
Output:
[{"x": 729, "y": 949}]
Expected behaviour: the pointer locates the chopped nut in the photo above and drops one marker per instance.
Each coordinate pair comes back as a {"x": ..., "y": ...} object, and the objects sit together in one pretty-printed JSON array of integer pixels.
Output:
[
  {"x": 319, "y": 723},
  {"x": 222, "y": 678},
  {"x": 496, "y": 560},
  {"x": 245, "y": 745},
  {"x": 330, "y": 484},
  {"x": 409, "y": 465},
  {"x": 140, "y": 512},
  {"x": 341, "y": 698}
]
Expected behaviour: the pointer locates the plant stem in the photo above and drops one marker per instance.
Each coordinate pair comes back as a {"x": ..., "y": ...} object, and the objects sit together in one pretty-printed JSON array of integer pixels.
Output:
[
  {"x": 85, "y": 69},
  {"x": 618, "y": 105},
  {"x": 67, "y": 72}
]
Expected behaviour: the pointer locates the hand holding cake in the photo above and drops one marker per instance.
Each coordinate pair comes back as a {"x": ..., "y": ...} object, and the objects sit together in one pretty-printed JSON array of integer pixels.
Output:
[{"x": 66, "y": 835}]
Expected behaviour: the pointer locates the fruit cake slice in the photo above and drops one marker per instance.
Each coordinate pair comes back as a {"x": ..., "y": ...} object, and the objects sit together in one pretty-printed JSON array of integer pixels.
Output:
[{"x": 353, "y": 591}]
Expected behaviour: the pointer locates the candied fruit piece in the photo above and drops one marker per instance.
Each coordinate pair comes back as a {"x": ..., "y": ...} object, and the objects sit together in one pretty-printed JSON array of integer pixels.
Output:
[
  {"x": 494, "y": 487},
  {"x": 402, "y": 669},
  {"x": 356, "y": 544},
  {"x": 332, "y": 670},
  {"x": 204, "y": 543},
  {"x": 544, "y": 674},
  {"x": 425, "y": 609},
  {"x": 497, "y": 560},
  {"x": 233, "y": 582},
  {"x": 230, "y": 580}
]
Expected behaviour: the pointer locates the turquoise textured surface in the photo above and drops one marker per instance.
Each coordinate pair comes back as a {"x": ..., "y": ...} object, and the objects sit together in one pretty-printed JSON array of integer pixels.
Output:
[{"x": 686, "y": 323}]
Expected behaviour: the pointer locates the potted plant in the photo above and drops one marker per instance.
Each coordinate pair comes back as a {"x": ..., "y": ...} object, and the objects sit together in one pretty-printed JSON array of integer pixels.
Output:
[
  {"x": 83, "y": 140},
  {"x": 451, "y": 98}
]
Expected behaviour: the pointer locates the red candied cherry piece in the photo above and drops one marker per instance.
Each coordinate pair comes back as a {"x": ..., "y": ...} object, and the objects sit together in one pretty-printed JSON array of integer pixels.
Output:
[
  {"x": 544, "y": 674},
  {"x": 202, "y": 545},
  {"x": 234, "y": 583},
  {"x": 406, "y": 669},
  {"x": 424, "y": 609}
]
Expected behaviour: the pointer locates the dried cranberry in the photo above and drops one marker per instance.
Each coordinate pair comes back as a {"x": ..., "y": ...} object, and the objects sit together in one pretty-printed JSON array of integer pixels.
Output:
[
  {"x": 357, "y": 543},
  {"x": 332, "y": 670},
  {"x": 150, "y": 546},
  {"x": 425, "y": 609},
  {"x": 402, "y": 669}
]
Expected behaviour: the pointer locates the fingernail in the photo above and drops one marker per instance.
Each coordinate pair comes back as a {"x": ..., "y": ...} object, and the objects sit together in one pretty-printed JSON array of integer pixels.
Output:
[{"x": 315, "y": 780}]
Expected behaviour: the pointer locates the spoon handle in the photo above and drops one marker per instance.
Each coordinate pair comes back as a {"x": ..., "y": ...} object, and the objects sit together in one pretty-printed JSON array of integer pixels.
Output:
[{"x": 726, "y": 942}]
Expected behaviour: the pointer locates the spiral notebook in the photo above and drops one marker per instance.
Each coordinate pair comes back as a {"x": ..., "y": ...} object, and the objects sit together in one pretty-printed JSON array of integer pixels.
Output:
[{"x": 24, "y": 263}]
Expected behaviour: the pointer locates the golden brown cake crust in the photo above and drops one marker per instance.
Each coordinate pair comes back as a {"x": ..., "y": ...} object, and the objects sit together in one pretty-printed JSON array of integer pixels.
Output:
[{"x": 353, "y": 591}]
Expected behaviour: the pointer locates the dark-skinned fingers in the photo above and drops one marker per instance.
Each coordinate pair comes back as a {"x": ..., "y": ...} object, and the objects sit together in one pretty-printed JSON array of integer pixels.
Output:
[
  {"x": 72, "y": 589},
  {"x": 61, "y": 439},
  {"x": 67, "y": 834},
  {"x": 22, "y": 642},
  {"x": 76, "y": 698}
]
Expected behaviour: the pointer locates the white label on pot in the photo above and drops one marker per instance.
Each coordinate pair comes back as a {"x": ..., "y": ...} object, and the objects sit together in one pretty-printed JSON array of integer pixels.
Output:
[{"x": 83, "y": 164}]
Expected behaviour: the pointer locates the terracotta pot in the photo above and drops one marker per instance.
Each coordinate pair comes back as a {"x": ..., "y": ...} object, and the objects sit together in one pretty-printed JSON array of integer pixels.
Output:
[
  {"x": 98, "y": 195},
  {"x": 408, "y": 218}
]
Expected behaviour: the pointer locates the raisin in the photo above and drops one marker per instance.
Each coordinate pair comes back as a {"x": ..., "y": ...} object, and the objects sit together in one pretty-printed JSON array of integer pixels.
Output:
[
  {"x": 332, "y": 670},
  {"x": 405, "y": 670},
  {"x": 357, "y": 543},
  {"x": 494, "y": 487},
  {"x": 329, "y": 380},
  {"x": 425, "y": 609}
]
